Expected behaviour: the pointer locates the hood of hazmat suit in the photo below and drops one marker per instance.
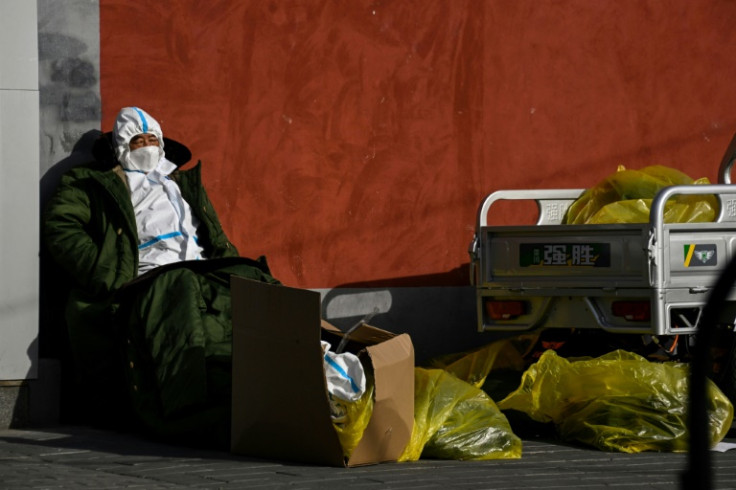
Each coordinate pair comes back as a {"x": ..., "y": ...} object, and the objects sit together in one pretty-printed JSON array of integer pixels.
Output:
[{"x": 131, "y": 122}]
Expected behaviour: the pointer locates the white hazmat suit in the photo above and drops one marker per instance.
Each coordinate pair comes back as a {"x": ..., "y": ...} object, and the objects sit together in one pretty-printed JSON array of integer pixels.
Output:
[{"x": 166, "y": 227}]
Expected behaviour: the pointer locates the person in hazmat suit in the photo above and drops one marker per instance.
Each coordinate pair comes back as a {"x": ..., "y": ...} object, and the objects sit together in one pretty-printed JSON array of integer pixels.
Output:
[{"x": 148, "y": 263}]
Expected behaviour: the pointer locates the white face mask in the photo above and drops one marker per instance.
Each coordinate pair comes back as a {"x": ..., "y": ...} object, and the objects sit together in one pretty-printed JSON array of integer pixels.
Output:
[{"x": 144, "y": 159}]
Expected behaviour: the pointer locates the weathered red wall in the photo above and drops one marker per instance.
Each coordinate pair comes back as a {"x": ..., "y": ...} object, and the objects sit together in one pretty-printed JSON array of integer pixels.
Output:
[{"x": 351, "y": 142}]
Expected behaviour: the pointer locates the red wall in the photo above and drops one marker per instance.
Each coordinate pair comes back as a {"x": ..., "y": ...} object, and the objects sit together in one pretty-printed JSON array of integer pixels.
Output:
[{"x": 351, "y": 142}]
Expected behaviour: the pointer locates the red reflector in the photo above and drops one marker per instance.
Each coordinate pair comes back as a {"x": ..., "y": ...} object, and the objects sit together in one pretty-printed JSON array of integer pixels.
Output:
[
  {"x": 632, "y": 310},
  {"x": 504, "y": 310}
]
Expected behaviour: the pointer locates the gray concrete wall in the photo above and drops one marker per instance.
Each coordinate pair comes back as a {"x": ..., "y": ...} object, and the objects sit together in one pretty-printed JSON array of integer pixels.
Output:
[
  {"x": 19, "y": 206},
  {"x": 49, "y": 101},
  {"x": 69, "y": 115},
  {"x": 69, "y": 81}
]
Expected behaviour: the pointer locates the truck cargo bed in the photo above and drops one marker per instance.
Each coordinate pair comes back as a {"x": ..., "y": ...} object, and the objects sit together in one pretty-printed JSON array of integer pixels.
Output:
[{"x": 630, "y": 278}]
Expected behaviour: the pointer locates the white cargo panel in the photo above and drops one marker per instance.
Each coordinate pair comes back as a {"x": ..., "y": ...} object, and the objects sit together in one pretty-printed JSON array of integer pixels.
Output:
[
  {"x": 574, "y": 276},
  {"x": 562, "y": 256}
]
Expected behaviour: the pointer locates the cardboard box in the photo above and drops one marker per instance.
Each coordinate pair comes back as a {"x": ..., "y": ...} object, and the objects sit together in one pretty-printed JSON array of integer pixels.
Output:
[{"x": 280, "y": 405}]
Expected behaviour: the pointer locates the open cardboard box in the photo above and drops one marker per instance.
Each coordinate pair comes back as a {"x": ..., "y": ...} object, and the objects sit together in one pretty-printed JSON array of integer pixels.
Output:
[{"x": 280, "y": 405}]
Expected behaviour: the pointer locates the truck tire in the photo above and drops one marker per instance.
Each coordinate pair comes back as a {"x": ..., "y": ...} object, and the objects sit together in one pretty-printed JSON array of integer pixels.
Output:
[
  {"x": 724, "y": 362},
  {"x": 728, "y": 382}
]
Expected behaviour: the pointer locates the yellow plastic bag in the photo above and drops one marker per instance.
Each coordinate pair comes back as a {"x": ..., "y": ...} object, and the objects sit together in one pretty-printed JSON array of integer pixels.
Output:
[
  {"x": 455, "y": 420},
  {"x": 474, "y": 366},
  {"x": 626, "y": 197},
  {"x": 351, "y": 418},
  {"x": 616, "y": 402}
]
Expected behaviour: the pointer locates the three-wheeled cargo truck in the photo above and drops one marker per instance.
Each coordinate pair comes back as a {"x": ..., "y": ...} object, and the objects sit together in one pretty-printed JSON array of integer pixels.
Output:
[{"x": 650, "y": 279}]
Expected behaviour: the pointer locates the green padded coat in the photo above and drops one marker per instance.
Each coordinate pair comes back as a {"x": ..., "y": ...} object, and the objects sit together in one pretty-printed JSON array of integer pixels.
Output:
[{"x": 166, "y": 334}]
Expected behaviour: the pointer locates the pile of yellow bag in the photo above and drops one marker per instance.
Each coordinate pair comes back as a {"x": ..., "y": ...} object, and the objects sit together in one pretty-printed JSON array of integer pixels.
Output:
[
  {"x": 626, "y": 197},
  {"x": 616, "y": 402}
]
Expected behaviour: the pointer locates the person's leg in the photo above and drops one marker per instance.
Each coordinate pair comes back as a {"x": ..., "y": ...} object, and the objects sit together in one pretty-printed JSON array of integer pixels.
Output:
[{"x": 178, "y": 343}]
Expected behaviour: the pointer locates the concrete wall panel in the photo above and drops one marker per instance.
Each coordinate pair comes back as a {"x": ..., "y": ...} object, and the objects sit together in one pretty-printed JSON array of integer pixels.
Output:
[
  {"x": 19, "y": 203},
  {"x": 18, "y": 46}
]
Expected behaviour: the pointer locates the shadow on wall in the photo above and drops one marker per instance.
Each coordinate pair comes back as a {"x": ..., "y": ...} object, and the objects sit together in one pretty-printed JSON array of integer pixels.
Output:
[
  {"x": 459, "y": 276},
  {"x": 53, "y": 341},
  {"x": 81, "y": 153},
  {"x": 14, "y": 395},
  {"x": 52, "y": 330},
  {"x": 439, "y": 319}
]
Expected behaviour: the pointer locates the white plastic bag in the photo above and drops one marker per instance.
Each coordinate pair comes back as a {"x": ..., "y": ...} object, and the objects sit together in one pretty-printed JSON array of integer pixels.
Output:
[{"x": 344, "y": 373}]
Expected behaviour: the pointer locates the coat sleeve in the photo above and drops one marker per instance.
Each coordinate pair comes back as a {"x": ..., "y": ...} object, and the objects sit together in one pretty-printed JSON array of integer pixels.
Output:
[
  {"x": 214, "y": 239},
  {"x": 221, "y": 245},
  {"x": 66, "y": 231}
]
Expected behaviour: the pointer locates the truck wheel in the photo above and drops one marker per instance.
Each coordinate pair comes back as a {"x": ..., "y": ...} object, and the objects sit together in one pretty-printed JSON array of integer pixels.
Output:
[{"x": 724, "y": 362}]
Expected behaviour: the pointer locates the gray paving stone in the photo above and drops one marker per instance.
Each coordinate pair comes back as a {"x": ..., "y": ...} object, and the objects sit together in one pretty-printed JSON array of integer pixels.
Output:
[{"x": 79, "y": 457}]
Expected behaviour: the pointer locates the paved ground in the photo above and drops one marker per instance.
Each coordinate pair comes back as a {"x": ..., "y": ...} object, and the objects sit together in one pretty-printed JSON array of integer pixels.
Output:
[{"x": 80, "y": 457}]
